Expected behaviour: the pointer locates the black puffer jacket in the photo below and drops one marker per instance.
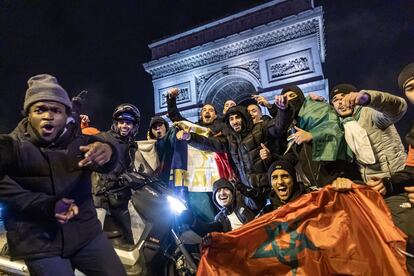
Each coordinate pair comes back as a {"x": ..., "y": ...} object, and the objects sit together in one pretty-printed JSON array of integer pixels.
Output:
[
  {"x": 125, "y": 148},
  {"x": 33, "y": 179},
  {"x": 244, "y": 147}
]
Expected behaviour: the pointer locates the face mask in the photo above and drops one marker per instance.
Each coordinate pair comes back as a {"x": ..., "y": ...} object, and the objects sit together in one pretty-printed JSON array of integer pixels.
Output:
[{"x": 296, "y": 104}]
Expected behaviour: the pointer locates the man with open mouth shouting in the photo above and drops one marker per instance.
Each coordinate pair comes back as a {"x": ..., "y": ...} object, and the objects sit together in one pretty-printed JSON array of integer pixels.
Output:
[
  {"x": 208, "y": 113},
  {"x": 45, "y": 183},
  {"x": 285, "y": 187}
]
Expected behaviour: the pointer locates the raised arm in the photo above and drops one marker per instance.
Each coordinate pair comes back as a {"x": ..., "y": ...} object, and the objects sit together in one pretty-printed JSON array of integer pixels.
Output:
[
  {"x": 172, "y": 109},
  {"x": 216, "y": 144},
  {"x": 390, "y": 109}
]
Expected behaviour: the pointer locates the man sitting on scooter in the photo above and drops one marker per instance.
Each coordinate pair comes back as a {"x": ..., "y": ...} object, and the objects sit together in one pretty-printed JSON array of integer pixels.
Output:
[
  {"x": 238, "y": 205},
  {"x": 126, "y": 119}
]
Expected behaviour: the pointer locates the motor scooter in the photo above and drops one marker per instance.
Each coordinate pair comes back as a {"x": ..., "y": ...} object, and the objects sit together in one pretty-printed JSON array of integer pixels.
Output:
[{"x": 164, "y": 243}]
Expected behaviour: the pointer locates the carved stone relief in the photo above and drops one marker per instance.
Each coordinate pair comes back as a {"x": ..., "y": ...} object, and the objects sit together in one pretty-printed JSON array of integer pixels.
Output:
[
  {"x": 183, "y": 97},
  {"x": 238, "y": 48},
  {"x": 290, "y": 65}
]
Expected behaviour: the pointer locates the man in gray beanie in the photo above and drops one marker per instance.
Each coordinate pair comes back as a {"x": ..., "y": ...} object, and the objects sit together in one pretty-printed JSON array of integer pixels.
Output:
[
  {"x": 45, "y": 88},
  {"x": 45, "y": 185}
]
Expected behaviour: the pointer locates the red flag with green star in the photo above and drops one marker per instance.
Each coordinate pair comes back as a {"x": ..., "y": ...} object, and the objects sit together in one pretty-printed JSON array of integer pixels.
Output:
[{"x": 321, "y": 233}]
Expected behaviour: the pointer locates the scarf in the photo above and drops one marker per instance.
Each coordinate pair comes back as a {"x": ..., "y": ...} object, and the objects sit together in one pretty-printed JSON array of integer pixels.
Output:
[{"x": 357, "y": 139}]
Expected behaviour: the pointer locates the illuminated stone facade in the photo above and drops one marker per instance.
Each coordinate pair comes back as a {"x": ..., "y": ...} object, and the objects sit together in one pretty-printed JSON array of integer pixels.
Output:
[{"x": 259, "y": 50}]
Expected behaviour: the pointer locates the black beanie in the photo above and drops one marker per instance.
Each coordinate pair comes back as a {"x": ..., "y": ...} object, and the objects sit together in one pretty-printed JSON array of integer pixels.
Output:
[
  {"x": 282, "y": 165},
  {"x": 343, "y": 88},
  {"x": 294, "y": 88},
  {"x": 222, "y": 183},
  {"x": 406, "y": 75},
  {"x": 154, "y": 120}
]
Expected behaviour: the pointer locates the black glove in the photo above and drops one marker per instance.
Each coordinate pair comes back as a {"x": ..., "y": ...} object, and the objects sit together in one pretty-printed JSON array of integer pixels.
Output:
[{"x": 247, "y": 191}]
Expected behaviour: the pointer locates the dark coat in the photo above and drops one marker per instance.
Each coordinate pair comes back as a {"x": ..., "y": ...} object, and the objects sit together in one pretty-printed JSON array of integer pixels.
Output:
[
  {"x": 244, "y": 147},
  {"x": 320, "y": 173},
  {"x": 33, "y": 179},
  {"x": 125, "y": 148}
]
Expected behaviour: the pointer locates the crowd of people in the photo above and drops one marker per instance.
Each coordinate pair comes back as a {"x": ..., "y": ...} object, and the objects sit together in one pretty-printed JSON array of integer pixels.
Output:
[{"x": 54, "y": 167}]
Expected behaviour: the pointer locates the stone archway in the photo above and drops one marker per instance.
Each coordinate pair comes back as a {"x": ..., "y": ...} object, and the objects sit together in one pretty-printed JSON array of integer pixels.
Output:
[
  {"x": 231, "y": 83},
  {"x": 269, "y": 46},
  {"x": 235, "y": 88}
]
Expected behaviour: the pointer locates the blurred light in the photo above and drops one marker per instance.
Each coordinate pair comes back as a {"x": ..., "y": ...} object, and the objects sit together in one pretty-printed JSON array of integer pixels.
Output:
[{"x": 176, "y": 205}]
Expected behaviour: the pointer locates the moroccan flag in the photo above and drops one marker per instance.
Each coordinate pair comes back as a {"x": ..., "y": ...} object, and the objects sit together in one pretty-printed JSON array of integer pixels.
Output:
[{"x": 321, "y": 233}]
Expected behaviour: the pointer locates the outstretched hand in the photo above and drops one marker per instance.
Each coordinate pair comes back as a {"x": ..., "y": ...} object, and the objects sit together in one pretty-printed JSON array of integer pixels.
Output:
[
  {"x": 183, "y": 135},
  {"x": 95, "y": 153},
  {"x": 281, "y": 101},
  {"x": 356, "y": 98},
  {"x": 302, "y": 136},
  {"x": 173, "y": 92},
  {"x": 315, "y": 97},
  {"x": 261, "y": 101}
]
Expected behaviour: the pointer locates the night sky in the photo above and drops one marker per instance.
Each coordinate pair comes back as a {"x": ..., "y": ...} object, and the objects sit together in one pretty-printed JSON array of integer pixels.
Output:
[{"x": 100, "y": 46}]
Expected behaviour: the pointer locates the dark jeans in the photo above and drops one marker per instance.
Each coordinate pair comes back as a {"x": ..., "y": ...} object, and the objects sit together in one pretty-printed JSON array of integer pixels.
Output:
[
  {"x": 122, "y": 218},
  {"x": 96, "y": 258}
]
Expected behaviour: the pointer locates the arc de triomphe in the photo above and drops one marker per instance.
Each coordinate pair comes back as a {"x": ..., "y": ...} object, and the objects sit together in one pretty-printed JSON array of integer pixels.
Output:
[{"x": 259, "y": 50}]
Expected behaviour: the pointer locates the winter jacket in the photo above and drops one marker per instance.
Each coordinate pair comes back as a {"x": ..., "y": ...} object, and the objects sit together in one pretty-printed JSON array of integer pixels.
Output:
[
  {"x": 319, "y": 173},
  {"x": 244, "y": 147},
  {"x": 125, "y": 148},
  {"x": 378, "y": 119},
  {"x": 33, "y": 179},
  {"x": 409, "y": 138}
]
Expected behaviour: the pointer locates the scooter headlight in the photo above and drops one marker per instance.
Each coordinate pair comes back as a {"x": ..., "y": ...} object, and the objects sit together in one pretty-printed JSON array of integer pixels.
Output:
[{"x": 176, "y": 205}]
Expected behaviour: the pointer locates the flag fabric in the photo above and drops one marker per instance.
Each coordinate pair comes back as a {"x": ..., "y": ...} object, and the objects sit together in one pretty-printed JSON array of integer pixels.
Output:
[
  {"x": 321, "y": 233},
  {"x": 146, "y": 157},
  {"x": 195, "y": 169}
]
